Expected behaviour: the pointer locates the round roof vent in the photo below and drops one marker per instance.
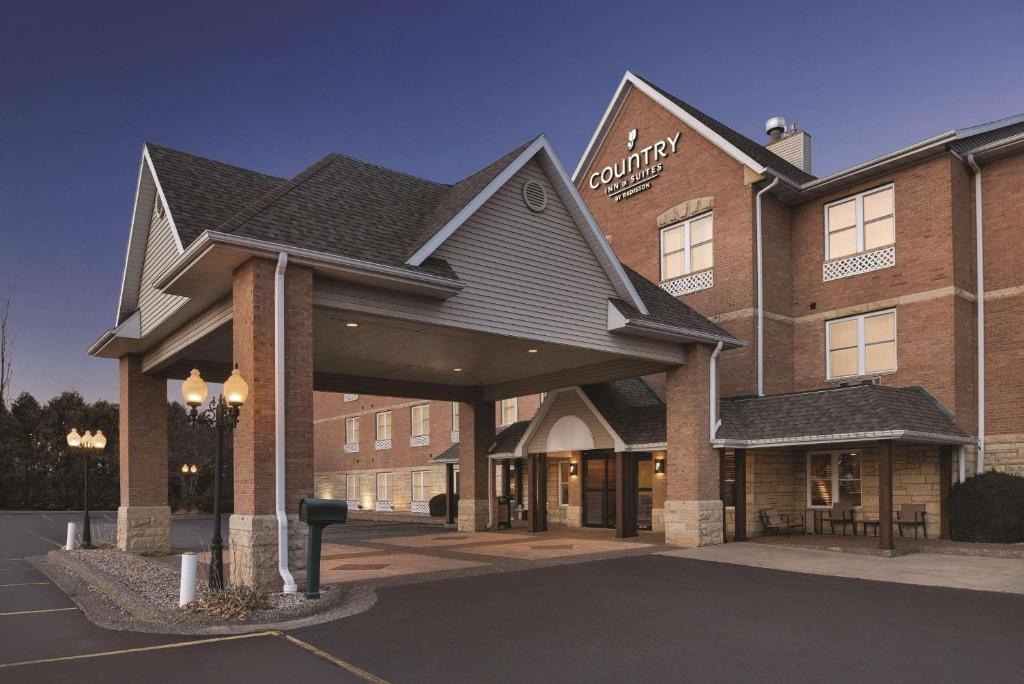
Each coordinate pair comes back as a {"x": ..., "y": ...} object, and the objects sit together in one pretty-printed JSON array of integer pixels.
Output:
[{"x": 535, "y": 196}]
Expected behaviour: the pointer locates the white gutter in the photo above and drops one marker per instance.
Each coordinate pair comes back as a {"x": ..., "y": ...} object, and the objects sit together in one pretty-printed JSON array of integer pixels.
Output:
[
  {"x": 760, "y": 290},
  {"x": 279, "y": 426},
  {"x": 979, "y": 228},
  {"x": 715, "y": 422}
]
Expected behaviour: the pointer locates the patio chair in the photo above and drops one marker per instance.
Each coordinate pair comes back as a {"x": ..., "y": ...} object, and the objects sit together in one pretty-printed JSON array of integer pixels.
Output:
[
  {"x": 841, "y": 515},
  {"x": 777, "y": 523},
  {"x": 913, "y": 515}
]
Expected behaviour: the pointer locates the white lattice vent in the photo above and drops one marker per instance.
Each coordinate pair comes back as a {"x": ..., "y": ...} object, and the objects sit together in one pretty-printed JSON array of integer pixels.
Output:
[
  {"x": 455, "y": 436},
  {"x": 420, "y": 507},
  {"x": 351, "y": 448},
  {"x": 350, "y": 397},
  {"x": 693, "y": 282},
  {"x": 352, "y": 505},
  {"x": 859, "y": 263},
  {"x": 382, "y": 444},
  {"x": 419, "y": 440},
  {"x": 385, "y": 506}
]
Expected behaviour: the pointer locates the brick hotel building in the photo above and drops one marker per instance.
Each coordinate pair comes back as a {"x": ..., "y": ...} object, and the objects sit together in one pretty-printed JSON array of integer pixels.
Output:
[
  {"x": 868, "y": 275},
  {"x": 688, "y": 330}
]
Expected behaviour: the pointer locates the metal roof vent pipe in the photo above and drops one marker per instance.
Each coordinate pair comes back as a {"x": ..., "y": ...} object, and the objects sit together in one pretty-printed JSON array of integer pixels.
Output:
[{"x": 775, "y": 127}]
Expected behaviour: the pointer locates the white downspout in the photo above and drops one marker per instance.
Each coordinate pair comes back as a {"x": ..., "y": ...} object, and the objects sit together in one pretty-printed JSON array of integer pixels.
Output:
[
  {"x": 713, "y": 366},
  {"x": 760, "y": 290},
  {"x": 490, "y": 493},
  {"x": 962, "y": 464},
  {"x": 279, "y": 426},
  {"x": 980, "y": 255}
]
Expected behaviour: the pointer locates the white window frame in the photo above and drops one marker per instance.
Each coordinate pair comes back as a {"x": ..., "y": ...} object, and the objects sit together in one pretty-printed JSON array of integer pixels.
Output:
[
  {"x": 563, "y": 481},
  {"x": 352, "y": 487},
  {"x": 859, "y": 227},
  {"x": 515, "y": 405},
  {"x": 686, "y": 245},
  {"x": 424, "y": 493},
  {"x": 423, "y": 419},
  {"x": 387, "y": 479},
  {"x": 861, "y": 346},
  {"x": 455, "y": 416},
  {"x": 377, "y": 425},
  {"x": 835, "y": 475},
  {"x": 352, "y": 421}
]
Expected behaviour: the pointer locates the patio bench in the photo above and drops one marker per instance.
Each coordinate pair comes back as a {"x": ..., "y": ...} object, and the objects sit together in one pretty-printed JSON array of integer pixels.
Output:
[
  {"x": 912, "y": 515},
  {"x": 776, "y": 523}
]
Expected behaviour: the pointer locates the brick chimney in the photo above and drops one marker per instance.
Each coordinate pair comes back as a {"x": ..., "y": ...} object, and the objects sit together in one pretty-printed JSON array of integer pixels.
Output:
[{"x": 790, "y": 143}]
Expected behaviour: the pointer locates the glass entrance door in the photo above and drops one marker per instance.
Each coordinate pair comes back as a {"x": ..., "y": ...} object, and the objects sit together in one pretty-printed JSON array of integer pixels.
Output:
[
  {"x": 644, "y": 492},
  {"x": 599, "y": 488}
]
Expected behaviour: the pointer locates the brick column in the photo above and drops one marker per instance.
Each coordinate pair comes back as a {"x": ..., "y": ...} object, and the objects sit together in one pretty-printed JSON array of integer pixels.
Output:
[
  {"x": 693, "y": 509},
  {"x": 253, "y": 526},
  {"x": 476, "y": 434},
  {"x": 143, "y": 518}
]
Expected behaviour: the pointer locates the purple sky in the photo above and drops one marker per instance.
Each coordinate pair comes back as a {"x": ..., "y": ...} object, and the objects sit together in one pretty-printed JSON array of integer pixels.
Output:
[{"x": 435, "y": 90}]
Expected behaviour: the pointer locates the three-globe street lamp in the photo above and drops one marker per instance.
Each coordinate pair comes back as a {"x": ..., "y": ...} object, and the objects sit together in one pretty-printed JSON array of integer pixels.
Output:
[
  {"x": 87, "y": 443},
  {"x": 224, "y": 412}
]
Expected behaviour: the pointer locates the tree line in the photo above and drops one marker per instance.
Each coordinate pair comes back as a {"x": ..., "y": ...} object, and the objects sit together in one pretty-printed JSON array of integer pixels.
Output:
[{"x": 38, "y": 471}]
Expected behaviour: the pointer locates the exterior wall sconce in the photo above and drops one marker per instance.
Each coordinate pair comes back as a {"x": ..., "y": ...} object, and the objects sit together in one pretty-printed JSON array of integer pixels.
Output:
[
  {"x": 659, "y": 466},
  {"x": 574, "y": 469}
]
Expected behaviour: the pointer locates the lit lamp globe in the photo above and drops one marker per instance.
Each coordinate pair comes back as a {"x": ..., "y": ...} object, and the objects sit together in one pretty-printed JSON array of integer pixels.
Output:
[
  {"x": 99, "y": 440},
  {"x": 184, "y": 468},
  {"x": 74, "y": 439},
  {"x": 194, "y": 389},
  {"x": 194, "y": 469},
  {"x": 87, "y": 439},
  {"x": 236, "y": 391}
]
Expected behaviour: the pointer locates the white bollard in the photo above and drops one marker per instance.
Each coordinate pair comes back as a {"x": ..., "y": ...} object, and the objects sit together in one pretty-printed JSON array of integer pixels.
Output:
[
  {"x": 188, "y": 579},
  {"x": 72, "y": 534}
]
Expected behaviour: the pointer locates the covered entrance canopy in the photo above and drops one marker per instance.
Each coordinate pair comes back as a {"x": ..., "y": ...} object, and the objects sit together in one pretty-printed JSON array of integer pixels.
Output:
[{"x": 350, "y": 277}]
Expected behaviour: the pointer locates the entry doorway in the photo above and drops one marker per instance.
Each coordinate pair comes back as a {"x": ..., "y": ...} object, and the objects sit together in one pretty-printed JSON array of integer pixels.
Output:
[
  {"x": 644, "y": 492},
  {"x": 599, "y": 488}
]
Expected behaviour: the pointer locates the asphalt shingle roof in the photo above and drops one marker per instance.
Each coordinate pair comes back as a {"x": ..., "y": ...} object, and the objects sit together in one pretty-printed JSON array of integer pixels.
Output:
[
  {"x": 758, "y": 153},
  {"x": 839, "y": 411},
  {"x": 632, "y": 409}
]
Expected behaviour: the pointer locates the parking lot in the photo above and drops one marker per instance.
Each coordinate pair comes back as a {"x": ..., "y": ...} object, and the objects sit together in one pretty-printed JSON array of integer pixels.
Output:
[{"x": 641, "y": 616}]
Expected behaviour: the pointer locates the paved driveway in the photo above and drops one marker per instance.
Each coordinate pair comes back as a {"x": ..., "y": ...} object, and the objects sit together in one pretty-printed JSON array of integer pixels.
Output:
[{"x": 636, "y": 618}]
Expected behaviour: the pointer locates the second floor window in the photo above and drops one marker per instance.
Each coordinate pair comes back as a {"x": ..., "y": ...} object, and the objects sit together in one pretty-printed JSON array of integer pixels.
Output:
[
  {"x": 383, "y": 426},
  {"x": 509, "y": 411},
  {"x": 455, "y": 416},
  {"x": 352, "y": 430},
  {"x": 687, "y": 247},
  {"x": 860, "y": 223},
  {"x": 860, "y": 345},
  {"x": 421, "y": 420}
]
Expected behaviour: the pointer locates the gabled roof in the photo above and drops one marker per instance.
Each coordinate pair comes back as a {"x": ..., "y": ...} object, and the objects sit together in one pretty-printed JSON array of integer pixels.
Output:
[
  {"x": 857, "y": 413},
  {"x": 631, "y": 408}
]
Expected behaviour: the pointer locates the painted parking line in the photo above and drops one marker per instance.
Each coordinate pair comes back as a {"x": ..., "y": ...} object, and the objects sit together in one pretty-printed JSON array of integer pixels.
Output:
[
  {"x": 45, "y": 539},
  {"x": 32, "y": 612},
  {"x": 141, "y": 649},
  {"x": 47, "y": 517},
  {"x": 25, "y": 584},
  {"x": 343, "y": 664}
]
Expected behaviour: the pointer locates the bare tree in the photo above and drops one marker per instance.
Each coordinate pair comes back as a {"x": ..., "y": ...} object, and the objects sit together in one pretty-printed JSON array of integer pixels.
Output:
[{"x": 6, "y": 352}]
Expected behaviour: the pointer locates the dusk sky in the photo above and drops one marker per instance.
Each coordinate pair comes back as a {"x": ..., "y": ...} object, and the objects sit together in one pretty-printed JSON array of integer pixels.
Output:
[{"x": 433, "y": 89}]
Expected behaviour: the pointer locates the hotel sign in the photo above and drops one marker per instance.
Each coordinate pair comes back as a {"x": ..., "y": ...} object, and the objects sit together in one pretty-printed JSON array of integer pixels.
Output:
[{"x": 634, "y": 173}]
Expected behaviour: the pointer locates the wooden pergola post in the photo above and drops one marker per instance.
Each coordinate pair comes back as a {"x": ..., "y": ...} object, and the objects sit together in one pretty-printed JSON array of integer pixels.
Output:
[
  {"x": 945, "y": 486},
  {"x": 538, "y": 492},
  {"x": 625, "y": 495},
  {"x": 885, "y": 497},
  {"x": 739, "y": 494},
  {"x": 450, "y": 492}
]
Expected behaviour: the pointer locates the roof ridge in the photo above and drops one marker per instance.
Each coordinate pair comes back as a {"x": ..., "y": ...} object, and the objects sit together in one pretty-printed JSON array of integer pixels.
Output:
[
  {"x": 147, "y": 144},
  {"x": 748, "y": 397},
  {"x": 389, "y": 170}
]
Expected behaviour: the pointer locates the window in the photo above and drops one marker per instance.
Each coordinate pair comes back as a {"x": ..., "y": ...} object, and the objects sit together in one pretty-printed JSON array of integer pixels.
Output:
[
  {"x": 687, "y": 247},
  {"x": 419, "y": 485},
  {"x": 352, "y": 430},
  {"x": 563, "y": 483},
  {"x": 833, "y": 478},
  {"x": 509, "y": 411},
  {"x": 384, "y": 486},
  {"x": 860, "y": 223},
  {"x": 421, "y": 420},
  {"x": 352, "y": 487},
  {"x": 383, "y": 426},
  {"x": 863, "y": 344},
  {"x": 729, "y": 479},
  {"x": 455, "y": 416}
]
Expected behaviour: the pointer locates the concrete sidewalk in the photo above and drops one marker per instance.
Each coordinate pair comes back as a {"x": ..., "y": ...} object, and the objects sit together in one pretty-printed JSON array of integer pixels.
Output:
[{"x": 958, "y": 572}]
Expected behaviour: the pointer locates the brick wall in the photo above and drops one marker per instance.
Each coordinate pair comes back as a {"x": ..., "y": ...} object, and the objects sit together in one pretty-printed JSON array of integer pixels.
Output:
[{"x": 143, "y": 429}]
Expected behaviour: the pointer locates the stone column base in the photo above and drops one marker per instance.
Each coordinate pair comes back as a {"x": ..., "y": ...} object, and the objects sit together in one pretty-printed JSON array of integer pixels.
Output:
[
  {"x": 573, "y": 516},
  {"x": 145, "y": 530},
  {"x": 472, "y": 515},
  {"x": 658, "y": 520},
  {"x": 693, "y": 523},
  {"x": 252, "y": 551}
]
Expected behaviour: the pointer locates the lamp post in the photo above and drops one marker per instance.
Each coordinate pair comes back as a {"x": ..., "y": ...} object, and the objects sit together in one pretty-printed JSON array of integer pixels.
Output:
[
  {"x": 87, "y": 443},
  {"x": 224, "y": 412}
]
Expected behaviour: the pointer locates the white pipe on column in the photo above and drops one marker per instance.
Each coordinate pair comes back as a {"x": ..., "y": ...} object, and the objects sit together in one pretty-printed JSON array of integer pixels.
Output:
[
  {"x": 963, "y": 464},
  {"x": 980, "y": 256},
  {"x": 279, "y": 426},
  {"x": 760, "y": 289},
  {"x": 714, "y": 391}
]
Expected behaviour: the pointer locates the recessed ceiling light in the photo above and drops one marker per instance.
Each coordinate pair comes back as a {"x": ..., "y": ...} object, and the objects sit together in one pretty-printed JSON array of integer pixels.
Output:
[
  {"x": 531, "y": 351},
  {"x": 351, "y": 324},
  {"x": 457, "y": 370}
]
